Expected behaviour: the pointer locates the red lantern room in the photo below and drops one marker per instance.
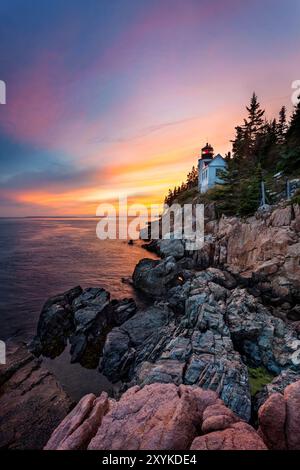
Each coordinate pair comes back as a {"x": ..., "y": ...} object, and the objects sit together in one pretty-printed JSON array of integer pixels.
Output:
[{"x": 207, "y": 153}]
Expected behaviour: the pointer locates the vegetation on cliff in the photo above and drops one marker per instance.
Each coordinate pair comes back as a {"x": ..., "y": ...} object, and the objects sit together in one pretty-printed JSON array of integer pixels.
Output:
[{"x": 260, "y": 150}]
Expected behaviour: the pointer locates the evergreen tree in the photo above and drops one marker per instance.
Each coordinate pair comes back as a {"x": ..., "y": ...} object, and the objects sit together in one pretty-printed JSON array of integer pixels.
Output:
[
  {"x": 226, "y": 194},
  {"x": 282, "y": 126},
  {"x": 250, "y": 193},
  {"x": 239, "y": 193},
  {"x": 267, "y": 147},
  {"x": 253, "y": 130},
  {"x": 290, "y": 159},
  {"x": 192, "y": 178},
  {"x": 259, "y": 148},
  {"x": 238, "y": 145}
]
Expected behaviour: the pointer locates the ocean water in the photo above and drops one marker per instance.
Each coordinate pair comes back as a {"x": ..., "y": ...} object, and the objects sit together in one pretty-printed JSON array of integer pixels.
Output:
[{"x": 43, "y": 257}]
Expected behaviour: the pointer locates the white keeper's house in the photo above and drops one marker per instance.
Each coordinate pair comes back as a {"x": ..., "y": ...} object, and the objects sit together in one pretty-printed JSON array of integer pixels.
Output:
[{"x": 210, "y": 168}]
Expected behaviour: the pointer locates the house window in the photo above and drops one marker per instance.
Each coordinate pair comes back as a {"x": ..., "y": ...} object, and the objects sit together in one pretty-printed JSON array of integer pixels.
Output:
[{"x": 219, "y": 173}]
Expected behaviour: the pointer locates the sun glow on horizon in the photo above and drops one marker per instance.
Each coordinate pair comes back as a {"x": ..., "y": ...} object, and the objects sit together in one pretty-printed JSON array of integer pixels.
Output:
[{"x": 119, "y": 101}]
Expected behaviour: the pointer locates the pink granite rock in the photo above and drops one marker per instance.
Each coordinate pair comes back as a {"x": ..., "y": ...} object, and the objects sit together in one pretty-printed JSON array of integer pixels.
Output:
[
  {"x": 279, "y": 419},
  {"x": 292, "y": 426},
  {"x": 239, "y": 436},
  {"x": 81, "y": 437},
  {"x": 272, "y": 415},
  {"x": 217, "y": 417},
  {"x": 80, "y": 426},
  {"x": 156, "y": 417}
]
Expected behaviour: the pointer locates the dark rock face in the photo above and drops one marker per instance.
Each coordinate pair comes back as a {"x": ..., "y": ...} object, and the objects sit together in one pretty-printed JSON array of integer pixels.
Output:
[
  {"x": 261, "y": 337},
  {"x": 126, "y": 345},
  {"x": 153, "y": 277},
  {"x": 294, "y": 313},
  {"x": 167, "y": 247},
  {"x": 203, "y": 333},
  {"x": 278, "y": 385},
  {"x": 32, "y": 403},
  {"x": 203, "y": 330},
  {"x": 55, "y": 324},
  {"x": 83, "y": 318},
  {"x": 156, "y": 417},
  {"x": 92, "y": 316},
  {"x": 193, "y": 347}
]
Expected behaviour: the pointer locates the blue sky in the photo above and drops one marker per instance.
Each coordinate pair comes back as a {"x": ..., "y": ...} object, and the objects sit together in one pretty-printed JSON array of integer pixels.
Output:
[{"x": 116, "y": 97}]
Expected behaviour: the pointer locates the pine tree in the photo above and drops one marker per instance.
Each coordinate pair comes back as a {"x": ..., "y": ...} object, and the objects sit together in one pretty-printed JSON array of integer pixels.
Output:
[
  {"x": 293, "y": 133},
  {"x": 238, "y": 145},
  {"x": 250, "y": 193},
  {"x": 226, "y": 194},
  {"x": 267, "y": 147},
  {"x": 254, "y": 129},
  {"x": 290, "y": 159},
  {"x": 282, "y": 126},
  {"x": 239, "y": 193},
  {"x": 192, "y": 178}
]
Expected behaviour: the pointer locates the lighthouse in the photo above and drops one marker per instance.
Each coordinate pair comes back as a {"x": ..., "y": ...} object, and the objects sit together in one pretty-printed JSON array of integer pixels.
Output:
[{"x": 210, "y": 168}]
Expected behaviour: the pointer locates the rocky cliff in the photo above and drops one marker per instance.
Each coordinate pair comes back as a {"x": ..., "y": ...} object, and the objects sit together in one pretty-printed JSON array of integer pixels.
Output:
[
  {"x": 262, "y": 250},
  {"x": 213, "y": 315},
  {"x": 265, "y": 247}
]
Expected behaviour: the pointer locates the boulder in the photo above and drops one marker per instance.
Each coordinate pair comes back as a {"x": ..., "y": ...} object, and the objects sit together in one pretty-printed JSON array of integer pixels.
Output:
[
  {"x": 156, "y": 417},
  {"x": 172, "y": 247},
  {"x": 292, "y": 424},
  {"x": 272, "y": 416},
  {"x": 217, "y": 417},
  {"x": 135, "y": 337},
  {"x": 123, "y": 310},
  {"x": 55, "y": 324},
  {"x": 80, "y": 426},
  {"x": 92, "y": 317},
  {"x": 83, "y": 317},
  {"x": 239, "y": 436},
  {"x": 279, "y": 419},
  {"x": 154, "y": 277}
]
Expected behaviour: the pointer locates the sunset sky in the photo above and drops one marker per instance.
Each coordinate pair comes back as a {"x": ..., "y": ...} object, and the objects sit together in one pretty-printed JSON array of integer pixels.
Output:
[{"x": 116, "y": 97}]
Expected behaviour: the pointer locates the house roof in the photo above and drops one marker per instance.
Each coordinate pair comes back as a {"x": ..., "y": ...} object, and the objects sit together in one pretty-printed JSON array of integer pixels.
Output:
[{"x": 216, "y": 161}]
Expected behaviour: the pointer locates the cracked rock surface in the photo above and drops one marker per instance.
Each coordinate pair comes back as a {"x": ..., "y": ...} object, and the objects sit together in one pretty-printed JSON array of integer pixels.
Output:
[
  {"x": 204, "y": 332},
  {"x": 32, "y": 403},
  {"x": 155, "y": 417}
]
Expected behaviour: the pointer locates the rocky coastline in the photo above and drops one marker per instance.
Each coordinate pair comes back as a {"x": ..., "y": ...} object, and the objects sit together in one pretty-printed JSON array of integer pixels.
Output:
[{"x": 184, "y": 362}]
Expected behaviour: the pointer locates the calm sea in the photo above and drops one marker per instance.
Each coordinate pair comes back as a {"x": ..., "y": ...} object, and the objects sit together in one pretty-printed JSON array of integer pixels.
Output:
[{"x": 43, "y": 257}]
